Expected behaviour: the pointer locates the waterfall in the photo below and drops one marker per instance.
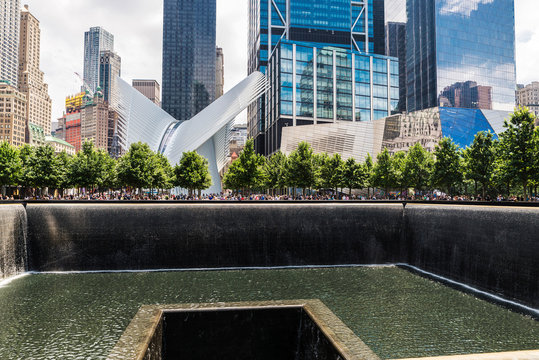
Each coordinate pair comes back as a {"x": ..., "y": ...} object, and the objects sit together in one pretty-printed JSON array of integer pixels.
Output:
[{"x": 13, "y": 250}]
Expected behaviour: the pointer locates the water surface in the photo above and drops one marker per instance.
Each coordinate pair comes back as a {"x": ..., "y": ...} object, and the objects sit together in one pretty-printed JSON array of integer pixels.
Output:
[{"x": 396, "y": 313}]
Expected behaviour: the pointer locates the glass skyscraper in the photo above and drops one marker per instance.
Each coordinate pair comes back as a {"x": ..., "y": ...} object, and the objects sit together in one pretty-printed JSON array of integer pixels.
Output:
[
  {"x": 189, "y": 56},
  {"x": 310, "y": 51},
  {"x": 460, "y": 54},
  {"x": 96, "y": 40}
]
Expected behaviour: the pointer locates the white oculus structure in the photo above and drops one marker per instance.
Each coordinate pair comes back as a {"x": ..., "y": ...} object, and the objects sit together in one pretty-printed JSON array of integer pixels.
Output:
[{"x": 206, "y": 133}]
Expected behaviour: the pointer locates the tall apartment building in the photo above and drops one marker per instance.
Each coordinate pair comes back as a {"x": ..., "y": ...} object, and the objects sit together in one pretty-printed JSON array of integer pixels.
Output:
[
  {"x": 31, "y": 83},
  {"x": 9, "y": 40},
  {"x": 325, "y": 61},
  {"x": 188, "y": 56},
  {"x": 465, "y": 42},
  {"x": 94, "y": 121},
  {"x": 149, "y": 88},
  {"x": 528, "y": 96},
  {"x": 96, "y": 40},
  {"x": 12, "y": 114},
  {"x": 110, "y": 68}
]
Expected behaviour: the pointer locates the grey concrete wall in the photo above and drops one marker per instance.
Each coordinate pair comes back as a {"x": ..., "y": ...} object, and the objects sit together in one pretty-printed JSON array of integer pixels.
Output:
[
  {"x": 12, "y": 240},
  {"x": 66, "y": 237},
  {"x": 495, "y": 249}
]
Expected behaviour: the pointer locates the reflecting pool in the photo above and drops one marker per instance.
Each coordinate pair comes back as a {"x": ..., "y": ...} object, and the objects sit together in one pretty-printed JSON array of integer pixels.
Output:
[{"x": 396, "y": 313}]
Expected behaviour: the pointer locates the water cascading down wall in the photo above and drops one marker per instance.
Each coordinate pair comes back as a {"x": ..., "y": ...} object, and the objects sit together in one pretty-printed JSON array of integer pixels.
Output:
[{"x": 491, "y": 248}]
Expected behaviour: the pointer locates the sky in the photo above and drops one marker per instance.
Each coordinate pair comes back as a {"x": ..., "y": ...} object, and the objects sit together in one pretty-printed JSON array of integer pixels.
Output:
[{"x": 137, "y": 26}]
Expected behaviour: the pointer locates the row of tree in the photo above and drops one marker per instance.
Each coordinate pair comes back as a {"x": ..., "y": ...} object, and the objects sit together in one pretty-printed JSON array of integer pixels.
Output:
[
  {"x": 490, "y": 166},
  {"x": 508, "y": 165},
  {"x": 94, "y": 170}
]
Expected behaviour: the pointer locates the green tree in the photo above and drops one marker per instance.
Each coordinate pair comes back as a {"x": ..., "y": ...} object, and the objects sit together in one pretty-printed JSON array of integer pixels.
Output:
[
  {"x": 418, "y": 167},
  {"x": 275, "y": 171},
  {"x": 192, "y": 172},
  {"x": 10, "y": 165},
  {"x": 354, "y": 175},
  {"x": 479, "y": 160},
  {"x": 85, "y": 170},
  {"x": 43, "y": 171},
  {"x": 107, "y": 176},
  {"x": 518, "y": 141},
  {"x": 163, "y": 173},
  {"x": 136, "y": 167},
  {"x": 368, "y": 168},
  {"x": 63, "y": 161},
  {"x": 301, "y": 167},
  {"x": 26, "y": 152},
  {"x": 398, "y": 162},
  {"x": 447, "y": 170},
  {"x": 332, "y": 171},
  {"x": 246, "y": 172},
  {"x": 383, "y": 175}
]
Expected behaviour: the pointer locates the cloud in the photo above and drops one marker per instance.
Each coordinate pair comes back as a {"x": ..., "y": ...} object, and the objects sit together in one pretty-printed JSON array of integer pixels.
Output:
[{"x": 462, "y": 7}]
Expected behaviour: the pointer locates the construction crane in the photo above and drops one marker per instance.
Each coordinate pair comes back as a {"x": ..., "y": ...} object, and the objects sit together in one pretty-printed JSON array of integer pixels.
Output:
[{"x": 88, "y": 90}]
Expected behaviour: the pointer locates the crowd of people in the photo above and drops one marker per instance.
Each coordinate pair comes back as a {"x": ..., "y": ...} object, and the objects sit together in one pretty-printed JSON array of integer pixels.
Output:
[{"x": 122, "y": 196}]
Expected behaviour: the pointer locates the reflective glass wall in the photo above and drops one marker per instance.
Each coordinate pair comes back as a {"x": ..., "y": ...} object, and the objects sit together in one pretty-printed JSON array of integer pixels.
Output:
[
  {"x": 475, "y": 46},
  {"x": 189, "y": 54},
  {"x": 461, "y": 54},
  {"x": 313, "y": 85},
  {"x": 346, "y": 24}
]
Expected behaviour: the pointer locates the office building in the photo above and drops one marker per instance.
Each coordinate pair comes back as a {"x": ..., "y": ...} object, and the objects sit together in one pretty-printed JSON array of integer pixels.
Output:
[
  {"x": 396, "y": 47},
  {"x": 31, "y": 83},
  {"x": 219, "y": 73},
  {"x": 297, "y": 36},
  {"x": 96, "y": 40},
  {"x": 110, "y": 65},
  {"x": 60, "y": 145},
  {"x": 346, "y": 86},
  {"x": 149, "y": 88},
  {"x": 35, "y": 135},
  {"x": 188, "y": 57},
  {"x": 463, "y": 50},
  {"x": 528, "y": 96},
  {"x": 9, "y": 40},
  {"x": 94, "y": 120},
  {"x": 12, "y": 114}
]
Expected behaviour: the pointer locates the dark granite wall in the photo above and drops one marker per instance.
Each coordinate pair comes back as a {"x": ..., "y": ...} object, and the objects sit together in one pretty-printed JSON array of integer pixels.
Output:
[
  {"x": 493, "y": 248},
  {"x": 245, "y": 334},
  {"x": 130, "y": 237},
  {"x": 12, "y": 240}
]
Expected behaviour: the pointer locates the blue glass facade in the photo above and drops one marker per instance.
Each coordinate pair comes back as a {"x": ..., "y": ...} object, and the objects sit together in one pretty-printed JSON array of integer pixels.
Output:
[
  {"x": 311, "y": 85},
  {"x": 460, "y": 54},
  {"x": 461, "y": 125},
  {"x": 188, "y": 56},
  {"x": 351, "y": 26}
]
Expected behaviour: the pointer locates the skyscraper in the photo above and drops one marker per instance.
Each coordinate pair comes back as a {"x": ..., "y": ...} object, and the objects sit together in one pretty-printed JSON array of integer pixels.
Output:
[
  {"x": 325, "y": 61},
  {"x": 96, "y": 40},
  {"x": 149, "y": 88},
  {"x": 219, "y": 73},
  {"x": 465, "y": 42},
  {"x": 188, "y": 56},
  {"x": 109, "y": 71},
  {"x": 38, "y": 101},
  {"x": 9, "y": 40}
]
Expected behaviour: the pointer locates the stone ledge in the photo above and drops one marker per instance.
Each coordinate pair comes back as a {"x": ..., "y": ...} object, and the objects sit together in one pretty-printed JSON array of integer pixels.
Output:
[{"x": 138, "y": 341}]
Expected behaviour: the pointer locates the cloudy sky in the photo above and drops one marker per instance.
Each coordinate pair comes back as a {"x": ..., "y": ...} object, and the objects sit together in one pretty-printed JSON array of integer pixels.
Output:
[{"x": 137, "y": 28}]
